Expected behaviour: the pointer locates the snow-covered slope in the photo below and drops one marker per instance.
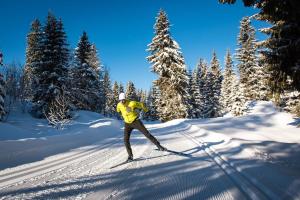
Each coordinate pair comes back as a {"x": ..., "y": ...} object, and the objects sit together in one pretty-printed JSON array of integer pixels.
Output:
[
  {"x": 249, "y": 157},
  {"x": 36, "y": 140}
]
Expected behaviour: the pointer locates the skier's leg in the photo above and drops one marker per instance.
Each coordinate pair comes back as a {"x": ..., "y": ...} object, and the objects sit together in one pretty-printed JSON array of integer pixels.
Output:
[
  {"x": 127, "y": 132},
  {"x": 140, "y": 126}
]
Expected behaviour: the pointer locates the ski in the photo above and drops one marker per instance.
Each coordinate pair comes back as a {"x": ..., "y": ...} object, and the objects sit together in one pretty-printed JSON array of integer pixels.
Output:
[
  {"x": 175, "y": 152},
  {"x": 122, "y": 163}
]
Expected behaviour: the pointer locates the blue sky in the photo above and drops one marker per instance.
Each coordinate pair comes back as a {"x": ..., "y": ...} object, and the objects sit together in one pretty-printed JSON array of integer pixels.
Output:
[{"x": 121, "y": 30}]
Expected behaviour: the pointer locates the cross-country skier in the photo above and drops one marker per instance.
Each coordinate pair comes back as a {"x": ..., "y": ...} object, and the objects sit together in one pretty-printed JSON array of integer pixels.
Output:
[{"x": 128, "y": 110}]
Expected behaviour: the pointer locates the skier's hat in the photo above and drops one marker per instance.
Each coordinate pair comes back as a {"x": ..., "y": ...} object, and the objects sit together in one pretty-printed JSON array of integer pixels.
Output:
[{"x": 121, "y": 96}]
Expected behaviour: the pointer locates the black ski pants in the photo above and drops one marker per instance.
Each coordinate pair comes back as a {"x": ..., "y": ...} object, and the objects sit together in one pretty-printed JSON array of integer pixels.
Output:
[{"x": 137, "y": 124}]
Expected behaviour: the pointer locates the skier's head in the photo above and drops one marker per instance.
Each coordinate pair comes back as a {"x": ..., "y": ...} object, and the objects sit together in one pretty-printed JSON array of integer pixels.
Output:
[{"x": 122, "y": 97}]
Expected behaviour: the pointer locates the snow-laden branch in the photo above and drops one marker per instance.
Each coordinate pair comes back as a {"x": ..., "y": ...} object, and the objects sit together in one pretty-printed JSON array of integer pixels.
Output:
[{"x": 58, "y": 112}]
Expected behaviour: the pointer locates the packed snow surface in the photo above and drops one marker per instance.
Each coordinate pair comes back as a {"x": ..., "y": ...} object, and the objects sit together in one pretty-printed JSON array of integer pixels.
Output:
[{"x": 256, "y": 156}]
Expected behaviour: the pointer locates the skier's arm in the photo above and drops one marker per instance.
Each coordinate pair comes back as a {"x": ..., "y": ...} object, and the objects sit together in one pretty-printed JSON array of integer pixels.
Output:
[
  {"x": 119, "y": 112},
  {"x": 118, "y": 109},
  {"x": 142, "y": 106}
]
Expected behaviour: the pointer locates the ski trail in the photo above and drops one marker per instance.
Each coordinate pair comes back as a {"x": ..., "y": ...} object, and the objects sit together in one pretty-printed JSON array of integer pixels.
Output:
[
  {"x": 160, "y": 176},
  {"x": 81, "y": 169},
  {"x": 260, "y": 183},
  {"x": 86, "y": 174},
  {"x": 52, "y": 165},
  {"x": 243, "y": 182},
  {"x": 58, "y": 176}
]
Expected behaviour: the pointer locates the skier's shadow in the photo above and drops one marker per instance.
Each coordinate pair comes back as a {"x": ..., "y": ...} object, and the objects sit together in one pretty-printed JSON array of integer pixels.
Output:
[{"x": 172, "y": 152}]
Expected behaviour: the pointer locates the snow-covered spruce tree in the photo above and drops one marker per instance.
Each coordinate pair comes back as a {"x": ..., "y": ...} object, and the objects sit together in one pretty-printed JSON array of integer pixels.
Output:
[
  {"x": 282, "y": 48},
  {"x": 131, "y": 91},
  {"x": 263, "y": 77},
  {"x": 102, "y": 89},
  {"x": 213, "y": 89},
  {"x": 95, "y": 63},
  {"x": 121, "y": 88},
  {"x": 156, "y": 98},
  {"x": 207, "y": 110},
  {"x": 189, "y": 91},
  {"x": 13, "y": 76},
  {"x": 142, "y": 96},
  {"x": 199, "y": 84},
  {"x": 195, "y": 92},
  {"x": 52, "y": 70},
  {"x": 93, "y": 59},
  {"x": 144, "y": 100},
  {"x": 191, "y": 98},
  {"x": 226, "y": 89},
  {"x": 109, "y": 106},
  {"x": 152, "y": 114},
  {"x": 33, "y": 58},
  {"x": 246, "y": 55},
  {"x": 204, "y": 87},
  {"x": 237, "y": 98},
  {"x": 115, "y": 99},
  {"x": 108, "y": 96},
  {"x": 85, "y": 76},
  {"x": 139, "y": 94},
  {"x": 148, "y": 102},
  {"x": 168, "y": 63},
  {"x": 282, "y": 51},
  {"x": 2, "y": 96},
  {"x": 290, "y": 100}
]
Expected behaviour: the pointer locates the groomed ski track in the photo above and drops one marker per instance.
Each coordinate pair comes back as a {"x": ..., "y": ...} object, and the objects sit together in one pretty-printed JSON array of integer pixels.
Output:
[{"x": 84, "y": 173}]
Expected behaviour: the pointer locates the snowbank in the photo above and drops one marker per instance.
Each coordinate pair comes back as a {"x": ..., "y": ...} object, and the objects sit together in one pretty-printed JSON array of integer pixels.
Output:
[{"x": 26, "y": 139}]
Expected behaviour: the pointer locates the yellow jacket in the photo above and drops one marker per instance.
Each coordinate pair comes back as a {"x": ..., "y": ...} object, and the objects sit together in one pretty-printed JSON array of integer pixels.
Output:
[{"x": 128, "y": 111}]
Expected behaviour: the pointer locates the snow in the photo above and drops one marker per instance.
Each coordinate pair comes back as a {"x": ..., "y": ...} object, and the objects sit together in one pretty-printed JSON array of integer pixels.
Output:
[{"x": 255, "y": 156}]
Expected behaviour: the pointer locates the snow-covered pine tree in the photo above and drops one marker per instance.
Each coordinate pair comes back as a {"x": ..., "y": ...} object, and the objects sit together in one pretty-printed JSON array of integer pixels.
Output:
[
  {"x": 282, "y": 51},
  {"x": 95, "y": 63},
  {"x": 168, "y": 63},
  {"x": 191, "y": 100},
  {"x": 93, "y": 59},
  {"x": 110, "y": 103},
  {"x": 139, "y": 93},
  {"x": 204, "y": 87},
  {"x": 33, "y": 58},
  {"x": 213, "y": 89},
  {"x": 282, "y": 48},
  {"x": 147, "y": 116},
  {"x": 263, "y": 77},
  {"x": 52, "y": 70},
  {"x": 102, "y": 89},
  {"x": 115, "y": 100},
  {"x": 290, "y": 99},
  {"x": 152, "y": 114},
  {"x": 195, "y": 92},
  {"x": 142, "y": 97},
  {"x": 237, "y": 98},
  {"x": 246, "y": 55},
  {"x": 227, "y": 84},
  {"x": 208, "y": 96},
  {"x": 85, "y": 76},
  {"x": 156, "y": 98},
  {"x": 121, "y": 88},
  {"x": 107, "y": 97},
  {"x": 13, "y": 74},
  {"x": 2, "y": 94},
  {"x": 131, "y": 91}
]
